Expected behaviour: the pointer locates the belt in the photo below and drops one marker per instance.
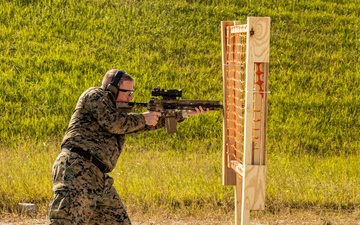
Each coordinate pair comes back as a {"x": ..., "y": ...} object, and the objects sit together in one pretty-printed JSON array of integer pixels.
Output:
[{"x": 89, "y": 157}]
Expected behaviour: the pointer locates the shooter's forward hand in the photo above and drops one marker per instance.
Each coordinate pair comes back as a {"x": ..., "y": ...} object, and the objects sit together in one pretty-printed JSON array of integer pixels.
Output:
[{"x": 198, "y": 110}]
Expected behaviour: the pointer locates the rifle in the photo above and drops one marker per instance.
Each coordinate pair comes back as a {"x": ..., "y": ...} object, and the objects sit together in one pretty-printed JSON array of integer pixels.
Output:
[{"x": 169, "y": 103}]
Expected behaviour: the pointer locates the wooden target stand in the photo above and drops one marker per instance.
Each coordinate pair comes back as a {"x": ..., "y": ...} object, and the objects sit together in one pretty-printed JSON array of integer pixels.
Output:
[{"x": 245, "y": 58}]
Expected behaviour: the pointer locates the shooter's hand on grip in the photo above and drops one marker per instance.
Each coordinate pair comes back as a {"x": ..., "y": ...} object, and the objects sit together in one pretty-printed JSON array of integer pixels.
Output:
[{"x": 151, "y": 117}]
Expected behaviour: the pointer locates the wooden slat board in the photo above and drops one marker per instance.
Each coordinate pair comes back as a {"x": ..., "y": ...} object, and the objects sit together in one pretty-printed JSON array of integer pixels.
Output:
[{"x": 229, "y": 176}]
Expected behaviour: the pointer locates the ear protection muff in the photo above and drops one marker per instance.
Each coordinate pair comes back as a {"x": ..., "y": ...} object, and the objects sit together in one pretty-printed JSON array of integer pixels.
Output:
[{"x": 113, "y": 87}]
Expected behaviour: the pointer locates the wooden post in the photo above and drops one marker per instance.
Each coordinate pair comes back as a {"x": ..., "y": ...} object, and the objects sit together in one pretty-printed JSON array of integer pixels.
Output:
[{"x": 258, "y": 49}]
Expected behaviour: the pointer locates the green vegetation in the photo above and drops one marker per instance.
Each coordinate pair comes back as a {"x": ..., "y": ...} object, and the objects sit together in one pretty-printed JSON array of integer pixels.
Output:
[{"x": 51, "y": 51}]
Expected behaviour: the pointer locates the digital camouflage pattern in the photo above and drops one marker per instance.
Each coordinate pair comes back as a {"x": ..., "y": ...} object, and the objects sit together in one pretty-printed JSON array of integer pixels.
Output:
[
  {"x": 99, "y": 127},
  {"x": 82, "y": 193}
]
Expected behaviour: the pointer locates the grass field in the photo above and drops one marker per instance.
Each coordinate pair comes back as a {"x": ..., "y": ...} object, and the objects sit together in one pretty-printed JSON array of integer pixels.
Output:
[{"x": 51, "y": 51}]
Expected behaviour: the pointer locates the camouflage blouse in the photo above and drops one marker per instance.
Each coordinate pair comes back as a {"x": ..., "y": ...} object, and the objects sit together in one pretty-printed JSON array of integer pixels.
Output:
[{"x": 99, "y": 127}]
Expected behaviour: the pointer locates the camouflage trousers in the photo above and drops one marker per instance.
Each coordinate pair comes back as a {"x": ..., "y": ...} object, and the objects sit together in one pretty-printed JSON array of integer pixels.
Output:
[{"x": 83, "y": 194}]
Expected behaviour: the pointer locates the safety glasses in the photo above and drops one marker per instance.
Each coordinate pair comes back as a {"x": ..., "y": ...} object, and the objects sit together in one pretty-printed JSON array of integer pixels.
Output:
[{"x": 129, "y": 92}]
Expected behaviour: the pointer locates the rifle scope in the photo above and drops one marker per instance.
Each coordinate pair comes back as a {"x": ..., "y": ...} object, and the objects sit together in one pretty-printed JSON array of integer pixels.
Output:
[{"x": 166, "y": 94}]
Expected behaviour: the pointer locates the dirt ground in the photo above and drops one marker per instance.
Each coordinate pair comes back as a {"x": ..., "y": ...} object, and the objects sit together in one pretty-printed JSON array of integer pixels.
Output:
[{"x": 261, "y": 218}]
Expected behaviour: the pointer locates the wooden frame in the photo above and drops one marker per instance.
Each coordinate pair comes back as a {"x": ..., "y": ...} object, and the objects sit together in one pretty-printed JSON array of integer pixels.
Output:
[{"x": 245, "y": 51}]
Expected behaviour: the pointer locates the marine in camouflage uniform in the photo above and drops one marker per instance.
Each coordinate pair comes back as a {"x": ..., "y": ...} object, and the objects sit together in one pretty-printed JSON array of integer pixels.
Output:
[{"x": 83, "y": 191}]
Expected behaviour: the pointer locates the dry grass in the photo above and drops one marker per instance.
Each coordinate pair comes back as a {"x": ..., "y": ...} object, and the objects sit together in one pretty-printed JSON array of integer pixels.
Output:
[
  {"x": 313, "y": 106},
  {"x": 286, "y": 216}
]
